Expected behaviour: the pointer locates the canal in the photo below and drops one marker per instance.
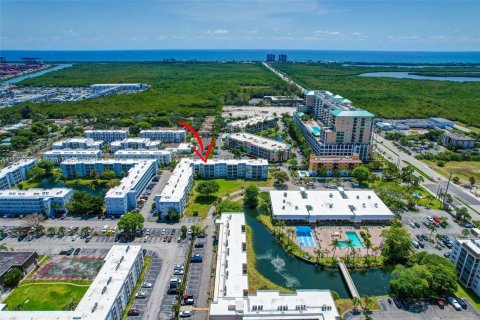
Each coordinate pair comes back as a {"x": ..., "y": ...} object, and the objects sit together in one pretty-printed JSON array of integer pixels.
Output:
[
  {"x": 275, "y": 264},
  {"x": 34, "y": 75}
]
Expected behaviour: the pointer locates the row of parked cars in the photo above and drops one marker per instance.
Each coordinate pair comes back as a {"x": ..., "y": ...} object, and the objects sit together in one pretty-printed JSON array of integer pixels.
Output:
[
  {"x": 70, "y": 251},
  {"x": 457, "y": 303}
]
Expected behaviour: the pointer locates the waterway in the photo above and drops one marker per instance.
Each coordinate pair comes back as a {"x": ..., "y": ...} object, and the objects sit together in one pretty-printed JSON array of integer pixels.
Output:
[
  {"x": 407, "y": 75},
  {"x": 34, "y": 75},
  {"x": 50, "y": 182},
  {"x": 275, "y": 264}
]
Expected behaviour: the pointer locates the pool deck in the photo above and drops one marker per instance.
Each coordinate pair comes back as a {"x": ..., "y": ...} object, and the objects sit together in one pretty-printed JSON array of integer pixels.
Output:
[{"x": 323, "y": 237}]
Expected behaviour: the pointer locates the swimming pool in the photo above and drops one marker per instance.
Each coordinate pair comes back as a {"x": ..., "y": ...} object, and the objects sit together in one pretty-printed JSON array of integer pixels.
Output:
[
  {"x": 304, "y": 236},
  {"x": 353, "y": 236}
]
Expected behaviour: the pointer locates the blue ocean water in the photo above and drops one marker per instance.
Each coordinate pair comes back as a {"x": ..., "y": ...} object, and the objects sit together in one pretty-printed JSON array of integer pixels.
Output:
[{"x": 246, "y": 55}]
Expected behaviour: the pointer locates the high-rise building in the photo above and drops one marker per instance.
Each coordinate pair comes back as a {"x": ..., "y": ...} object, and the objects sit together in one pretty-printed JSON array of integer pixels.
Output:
[
  {"x": 333, "y": 127},
  {"x": 270, "y": 57},
  {"x": 466, "y": 258},
  {"x": 282, "y": 57}
]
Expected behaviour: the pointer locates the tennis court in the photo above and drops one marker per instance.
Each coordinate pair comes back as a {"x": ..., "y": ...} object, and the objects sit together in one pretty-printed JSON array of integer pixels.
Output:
[{"x": 304, "y": 237}]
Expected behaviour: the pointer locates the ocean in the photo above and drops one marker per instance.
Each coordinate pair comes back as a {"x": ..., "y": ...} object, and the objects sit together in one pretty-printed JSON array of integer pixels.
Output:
[{"x": 408, "y": 57}]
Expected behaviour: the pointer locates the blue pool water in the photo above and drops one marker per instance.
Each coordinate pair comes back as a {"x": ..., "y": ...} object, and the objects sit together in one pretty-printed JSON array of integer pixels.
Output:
[
  {"x": 316, "y": 131},
  {"x": 356, "y": 242},
  {"x": 304, "y": 236}
]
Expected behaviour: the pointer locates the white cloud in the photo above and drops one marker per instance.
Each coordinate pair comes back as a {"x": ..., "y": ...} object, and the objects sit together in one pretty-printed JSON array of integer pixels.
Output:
[
  {"x": 327, "y": 32},
  {"x": 218, "y": 31},
  {"x": 253, "y": 31}
]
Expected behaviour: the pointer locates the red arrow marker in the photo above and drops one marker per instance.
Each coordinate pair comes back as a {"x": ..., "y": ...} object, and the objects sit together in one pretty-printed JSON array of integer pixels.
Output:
[{"x": 200, "y": 142}]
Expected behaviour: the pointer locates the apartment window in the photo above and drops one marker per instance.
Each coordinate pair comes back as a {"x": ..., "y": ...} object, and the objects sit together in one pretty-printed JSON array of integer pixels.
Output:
[{"x": 244, "y": 246}]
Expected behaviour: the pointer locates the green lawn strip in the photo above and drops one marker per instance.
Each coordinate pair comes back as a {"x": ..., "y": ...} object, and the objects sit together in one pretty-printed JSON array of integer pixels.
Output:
[
  {"x": 414, "y": 167},
  {"x": 466, "y": 205},
  {"x": 146, "y": 264},
  {"x": 199, "y": 205},
  {"x": 461, "y": 169},
  {"x": 468, "y": 294},
  {"x": 345, "y": 305},
  {"x": 256, "y": 281},
  {"x": 45, "y": 296}
]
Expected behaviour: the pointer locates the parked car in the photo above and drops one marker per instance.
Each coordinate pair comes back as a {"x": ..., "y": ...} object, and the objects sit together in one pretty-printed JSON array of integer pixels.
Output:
[
  {"x": 198, "y": 245},
  {"x": 146, "y": 285},
  {"x": 436, "y": 219},
  {"x": 133, "y": 312},
  {"x": 463, "y": 303},
  {"x": 429, "y": 218},
  {"x": 163, "y": 231},
  {"x": 454, "y": 303},
  {"x": 76, "y": 252},
  {"x": 421, "y": 245},
  {"x": 441, "y": 303},
  {"x": 74, "y": 237},
  {"x": 30, "y": 238},
  {"x": 189, "y": 301},
  {"x": 87, "y": 239},
  {"x": 468, "y": 225},
  {"x": 185, "y": 314},
  {"x": 415, "y": 244},
  {"x": 141, "y": 295},
  {"x": 196, "y": 259},
  {"x": 427, "y": 224},
  {"x": 419, "y": 237},
  {"x": 178, "y": 272},
  {"x": 172, "y": 232},
  {"x": 441, "y": 244},
  {"x": 70, "y": 251},
  {"x": 169, "y": 239},
  {"x": 447, "y": 254}
]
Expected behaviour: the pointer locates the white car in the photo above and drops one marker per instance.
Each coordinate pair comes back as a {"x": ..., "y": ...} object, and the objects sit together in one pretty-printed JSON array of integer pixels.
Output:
[
  {"x": 145, "y": 239},
  {"x": 179, "y": 266},
  {"x": 454, "y": 303},
  {"x": 185, "y": 314},
  {"x": 146, "y": 285},
  {"x": 74, "y": 237},
  {"x": 430, "y": 219},
  {"x": 163, "y": 231}
]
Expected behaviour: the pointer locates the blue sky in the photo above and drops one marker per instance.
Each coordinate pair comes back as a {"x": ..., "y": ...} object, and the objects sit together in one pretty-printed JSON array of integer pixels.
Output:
[{"x": 432, "y": 25}]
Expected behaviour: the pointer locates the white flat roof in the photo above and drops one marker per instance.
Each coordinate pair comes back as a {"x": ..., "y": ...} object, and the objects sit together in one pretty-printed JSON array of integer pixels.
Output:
[
  {"x": 102, "y": 161},
  {"x": 329, "y": 205},
  {"x": 472, "y": 244},
  {"x": 163, "y": 131},
  {"x": 257, "y": 162},
  {"x": 106, "y": 131},
  {"x": 94, "y": 293},
  {"x": 177, "y": 183},
  {"x": 137, "y": 152},
  {"x": 263, "y": 142},
  {"x": 130, "y": 181},
  {"x": 73, "y": 152},
  {"x": 34, "y": 193},
  {"x": 14, "y": 166}
]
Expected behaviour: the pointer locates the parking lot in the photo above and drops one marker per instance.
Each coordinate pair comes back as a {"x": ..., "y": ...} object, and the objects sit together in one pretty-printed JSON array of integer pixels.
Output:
[
  {"x": 417, "y": 311},
  {"x": 452, "y": 230}
]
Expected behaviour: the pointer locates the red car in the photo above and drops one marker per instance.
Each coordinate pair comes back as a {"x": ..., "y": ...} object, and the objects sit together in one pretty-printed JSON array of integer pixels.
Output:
[
  {"x": 165, "y": 237},
  {"x": 436, "y": 219},
  {"x": 133, "y": 312},
  {"x": 441, "y": 303}
]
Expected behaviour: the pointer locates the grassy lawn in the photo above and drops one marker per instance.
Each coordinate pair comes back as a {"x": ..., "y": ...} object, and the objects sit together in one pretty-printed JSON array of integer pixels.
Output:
[
  {"x": 46, "y": 295},
  {"x": 344, "y": 305},
  {"x": 468, "y": 294},
  {"x": 199, "y": 205},
  {"x": 462, "y": 169},
  {"x": 257, "y": 281}
]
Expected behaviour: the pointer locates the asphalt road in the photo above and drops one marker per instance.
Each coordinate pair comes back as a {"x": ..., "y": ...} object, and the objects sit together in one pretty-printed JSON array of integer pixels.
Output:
[{"x": 439, "y": 181}]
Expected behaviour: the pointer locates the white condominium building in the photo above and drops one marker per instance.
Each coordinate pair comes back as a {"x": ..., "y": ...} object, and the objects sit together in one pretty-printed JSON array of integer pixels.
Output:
[
  {"x": 77, "y": 143},
  {"x": 466, "y": 258},
  {"x": 163, "y": 157},
  {"x": 331, "y": 205},
  {"x": 253, "y": 124},
  {"x": 123, "y": 198},
  {"x": 254, "y": 169},
  {"x": 177, "y": 190},
  {"x": 43, "y": 201},
  {"x": 259, "y": 147},
  {"x": 230, "y": 296},
  {"x": 15, "y": 173},
  {"x": 108, "y": 295},
  {"x": 119, "y": 86},
  {"x": 166, "y": 136},
  {"x": 135, "y": 144},
  {"x": 106, "y": 136},
  {"x": 58, "y": 156}
]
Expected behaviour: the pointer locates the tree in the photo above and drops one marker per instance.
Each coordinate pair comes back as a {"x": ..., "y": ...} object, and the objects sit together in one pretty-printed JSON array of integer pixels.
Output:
[
  {"x": 131, "y": 222},
  {"x": 356, "y": 302},
  {"x": 465, "y": 233},
  {"x": 334, "y": 244},
  {"x": 410, "y": 283},
  {"x": 33, "y": 220},
  {"x": 250, "y": 198},
  {"x": 280, "y": 176},
  {"x": 367, "y": 301},
  {"x": 61, "y": 231},
  {"x": 12, "y": 277},
  {"x": 20, "y": 142},
  {"x": 397, "y": 246},
  {"x": 47, "y": 166},
  {"x": 51, "y": 231},
  {"x": 83, "y": 203},
  {"x": 173, "y": 215},
  {"x": 112, "y": 183},
  {"x": 39, "y": 128},
  {"x": 3, "y": 247},
  {"x": 85, "y": 231},
  {"x": 456, "y": 180},
  {"x": 472, "y": 180},
  {"x": 206, "y": 188},
  {"x": 360, "y": 173},
  {"x": 322, "y": 172},
  {"x": 461, "y": 214},
  {"x": 35, "y": 173},
  {"x": 183, "y": 231},
  {"x": 108, "y": 175}
]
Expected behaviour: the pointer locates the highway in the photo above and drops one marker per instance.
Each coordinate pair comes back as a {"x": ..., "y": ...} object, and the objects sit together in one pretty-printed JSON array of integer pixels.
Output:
[
  {"x": 283, "y": 76},
  {"x": 457, "y": 192}
]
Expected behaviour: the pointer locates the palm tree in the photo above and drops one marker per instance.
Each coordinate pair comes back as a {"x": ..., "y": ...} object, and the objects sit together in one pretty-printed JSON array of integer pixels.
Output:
[
  {"x": 51, "y": 231},
  {"x": 85, "y": 231},
  {"x": 356, "y": 303},
  {"x": 318, "y": 254},
  {"x": 335, "y": 243},
  {"x": 3, "y": 247},
  {"x": 432, "y": 230},
  {"x": 281, "y": 225},
  {"x": 61, "y": 231},
  {"x": 350, "y": 246}
]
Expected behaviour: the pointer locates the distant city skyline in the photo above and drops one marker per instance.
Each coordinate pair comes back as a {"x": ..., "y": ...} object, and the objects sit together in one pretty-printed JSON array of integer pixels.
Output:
[{"x": 429, "y": 25}]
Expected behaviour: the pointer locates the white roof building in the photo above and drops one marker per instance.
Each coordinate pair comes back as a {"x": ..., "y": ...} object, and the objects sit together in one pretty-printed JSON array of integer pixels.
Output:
[
  {"x": 135, "y": 144},
  {"x": 231, "y": 298},
  {"x": 332, "y": 205},
  {"x": 77, "y": 143},
  {"x": 15, "y": 172},
  {"x": 57, "y": 156},
  {"x": 162, "y": 156},
  {"x": 108, "y": 292}
]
